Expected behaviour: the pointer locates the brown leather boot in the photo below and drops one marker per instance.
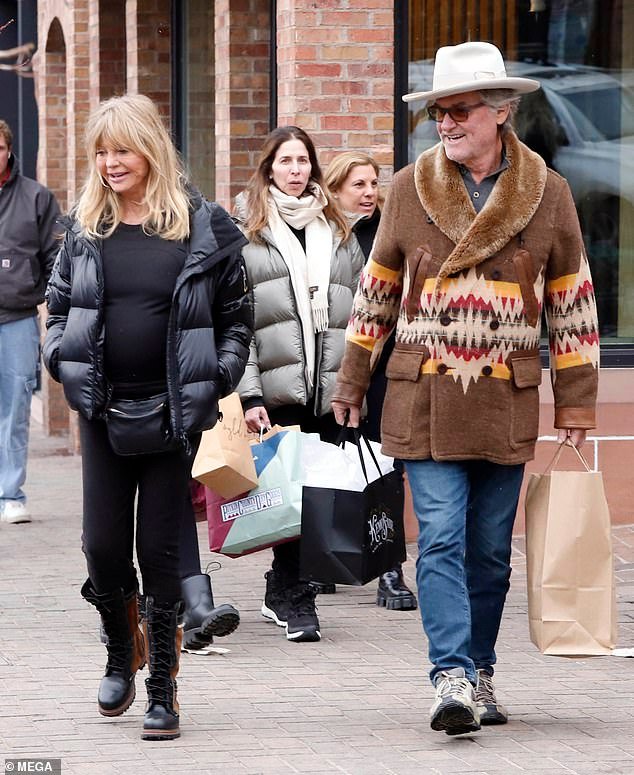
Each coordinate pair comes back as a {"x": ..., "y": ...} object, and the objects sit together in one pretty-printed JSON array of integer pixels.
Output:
[
  {"x": 125, "y": 646},
  {"x": 164, "y": 637}
]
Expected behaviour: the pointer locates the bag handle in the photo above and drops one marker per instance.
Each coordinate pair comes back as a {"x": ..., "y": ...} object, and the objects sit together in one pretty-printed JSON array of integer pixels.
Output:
[
  {"x": 358, "y": 436},
  {"x": 557, "y": 455}
]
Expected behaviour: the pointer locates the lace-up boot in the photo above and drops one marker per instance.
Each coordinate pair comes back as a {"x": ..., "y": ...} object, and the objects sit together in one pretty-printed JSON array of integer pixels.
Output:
[
  {"x": 125, "y": 646},
  {"x": 491, "y": 711},
  {"x": 164, "y": 637},
  {"x": 393, "y": 593},
  {"x": 201, "y": 619},
  {"x": 302, "y": 624},
  {"x": 454, "y": 710}
]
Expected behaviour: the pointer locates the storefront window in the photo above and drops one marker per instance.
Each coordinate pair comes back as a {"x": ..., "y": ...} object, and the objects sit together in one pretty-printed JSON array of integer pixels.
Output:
[
  {"x": 581, "y": 121},
  {"x": 194, "y": 112}
]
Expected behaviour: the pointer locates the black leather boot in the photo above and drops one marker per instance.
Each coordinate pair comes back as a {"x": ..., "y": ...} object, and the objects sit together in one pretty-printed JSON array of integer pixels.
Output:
[
  {"x": 393, "y": 593},
  {"x": 201, "y": 620},
  {"x": 125, "y": 646},
  {"x": 164, "y": 636}
]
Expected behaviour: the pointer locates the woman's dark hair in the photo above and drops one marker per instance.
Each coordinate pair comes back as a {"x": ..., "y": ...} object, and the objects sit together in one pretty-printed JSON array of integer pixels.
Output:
[{"x": 257, "y": 190}]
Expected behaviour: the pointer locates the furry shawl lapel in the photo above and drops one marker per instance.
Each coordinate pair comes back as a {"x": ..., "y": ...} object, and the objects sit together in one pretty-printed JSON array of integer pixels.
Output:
[{"x": 509, "y": 208}]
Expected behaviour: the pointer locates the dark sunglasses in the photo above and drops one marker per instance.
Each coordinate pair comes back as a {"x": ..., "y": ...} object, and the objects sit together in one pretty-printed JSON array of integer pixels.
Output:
[{"x": 458, "y": 113}]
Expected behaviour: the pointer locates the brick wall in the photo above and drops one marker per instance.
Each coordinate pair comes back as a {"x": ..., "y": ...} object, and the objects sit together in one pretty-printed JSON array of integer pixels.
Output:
[
  {"x": 335, "y": 73},
  {"x": 108, "y": 36},
  {"x": 200, "y": 143},
  {"x": 148, "y": 31},
  {"x": 242, "y": 33}
]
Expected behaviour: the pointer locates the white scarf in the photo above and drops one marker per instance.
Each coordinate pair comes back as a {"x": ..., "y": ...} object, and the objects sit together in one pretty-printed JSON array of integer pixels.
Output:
[{"x": 309, "y": 271}]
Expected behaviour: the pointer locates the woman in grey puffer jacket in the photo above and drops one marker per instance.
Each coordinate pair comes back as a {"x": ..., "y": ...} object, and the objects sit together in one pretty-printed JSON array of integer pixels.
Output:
[{"x": 303, "y": 268}]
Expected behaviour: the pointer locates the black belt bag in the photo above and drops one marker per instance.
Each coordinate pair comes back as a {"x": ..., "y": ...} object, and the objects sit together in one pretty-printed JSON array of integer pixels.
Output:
[{"x": 139, "y": 426}]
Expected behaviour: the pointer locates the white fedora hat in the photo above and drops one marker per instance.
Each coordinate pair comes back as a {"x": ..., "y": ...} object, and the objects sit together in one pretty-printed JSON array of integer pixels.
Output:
[{"x": 470, "y": 67}]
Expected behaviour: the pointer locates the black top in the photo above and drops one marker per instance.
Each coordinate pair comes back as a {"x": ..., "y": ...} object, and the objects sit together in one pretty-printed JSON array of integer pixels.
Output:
[
  {"x": 365, "y": 231},
  {"x": 300, "y": 234},
  {"x": 140, "y": 273}
]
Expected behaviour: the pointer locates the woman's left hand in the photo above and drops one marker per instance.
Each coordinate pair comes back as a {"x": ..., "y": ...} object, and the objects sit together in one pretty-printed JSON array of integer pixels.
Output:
[{"x": 257, "y": 418}]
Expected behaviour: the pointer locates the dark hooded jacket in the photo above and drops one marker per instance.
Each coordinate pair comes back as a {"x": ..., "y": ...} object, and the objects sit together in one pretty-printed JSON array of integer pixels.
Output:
[
  {"x": 28, "y": 244},
  {"x": 209, "y": 330}
]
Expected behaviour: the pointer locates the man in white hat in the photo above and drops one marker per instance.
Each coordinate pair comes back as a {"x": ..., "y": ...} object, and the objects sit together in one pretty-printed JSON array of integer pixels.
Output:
[{"x": 476, "y": 238}]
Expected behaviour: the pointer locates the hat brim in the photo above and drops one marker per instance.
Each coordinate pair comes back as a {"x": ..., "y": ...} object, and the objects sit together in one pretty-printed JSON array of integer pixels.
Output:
[{"x": 519, "y": 85}]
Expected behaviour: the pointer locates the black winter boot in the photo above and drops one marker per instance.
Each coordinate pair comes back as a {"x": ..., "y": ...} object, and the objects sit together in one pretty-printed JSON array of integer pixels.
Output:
[
  {"x": 201, "y": 621},
  {"x": 125, "y": 646},
  {"x": 163, "y": 635},
  {"x": 393, "y": 593}
]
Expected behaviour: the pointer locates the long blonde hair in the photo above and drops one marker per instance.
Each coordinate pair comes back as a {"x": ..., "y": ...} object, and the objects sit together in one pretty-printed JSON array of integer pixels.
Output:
[
  {"x": 343, "y": 164},
  {"x": 257, "y": 190},
  {"x": 133, "y": 122}
]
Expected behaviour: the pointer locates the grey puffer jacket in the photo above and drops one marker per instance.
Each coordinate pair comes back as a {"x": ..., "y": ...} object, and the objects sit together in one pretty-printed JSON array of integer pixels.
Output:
[
  {"x": 275, "y": 372},
  {"x": 209, "y": 330}
]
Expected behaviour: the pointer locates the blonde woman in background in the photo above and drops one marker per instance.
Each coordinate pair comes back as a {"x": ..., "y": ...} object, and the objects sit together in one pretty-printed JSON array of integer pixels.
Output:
[{"x": 353, "y": 179}]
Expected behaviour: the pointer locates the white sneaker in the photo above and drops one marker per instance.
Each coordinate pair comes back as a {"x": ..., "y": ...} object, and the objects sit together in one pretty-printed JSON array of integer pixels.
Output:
[
  {"x": 14, "y": 512},
  {"x": 454, "y": 710}
]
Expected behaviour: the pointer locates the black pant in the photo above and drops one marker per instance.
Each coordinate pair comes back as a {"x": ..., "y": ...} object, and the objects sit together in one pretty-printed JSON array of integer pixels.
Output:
[
  {"x": 189, "y": 547},
  {"x": 286, "y": 556},
  {"x": 111, "y": 482}
]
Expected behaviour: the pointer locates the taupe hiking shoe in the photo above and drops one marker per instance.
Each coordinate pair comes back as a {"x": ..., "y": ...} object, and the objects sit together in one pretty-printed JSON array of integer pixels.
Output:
[
  {"x": 454, "y": 710},
  {"x": 491, "y": 711}
]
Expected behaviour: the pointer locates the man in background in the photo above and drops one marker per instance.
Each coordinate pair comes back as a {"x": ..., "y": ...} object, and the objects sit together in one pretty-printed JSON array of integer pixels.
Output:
[{"x": 28, "y": 247}]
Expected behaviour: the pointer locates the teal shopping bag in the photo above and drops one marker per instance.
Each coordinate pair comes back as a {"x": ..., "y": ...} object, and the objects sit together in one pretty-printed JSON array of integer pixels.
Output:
[{"x": 270, "y": 513}]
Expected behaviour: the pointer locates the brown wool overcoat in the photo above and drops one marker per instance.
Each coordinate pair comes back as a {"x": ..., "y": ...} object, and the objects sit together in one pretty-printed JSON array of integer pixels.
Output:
[{"x": 466, "y": 293}]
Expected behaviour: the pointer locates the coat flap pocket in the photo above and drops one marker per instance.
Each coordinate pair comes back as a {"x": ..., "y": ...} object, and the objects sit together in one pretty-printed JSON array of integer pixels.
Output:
[
  {"x": 526, "y": 369},
  {"x": 406, "y": 364}
]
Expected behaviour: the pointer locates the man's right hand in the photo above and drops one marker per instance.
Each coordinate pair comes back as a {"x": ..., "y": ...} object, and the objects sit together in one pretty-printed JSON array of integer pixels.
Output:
[{"x": 347, "y": 412}]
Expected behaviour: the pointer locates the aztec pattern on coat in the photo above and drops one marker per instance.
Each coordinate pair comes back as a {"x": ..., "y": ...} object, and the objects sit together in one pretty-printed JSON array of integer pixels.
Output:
[{"x": 466, "y": 292}]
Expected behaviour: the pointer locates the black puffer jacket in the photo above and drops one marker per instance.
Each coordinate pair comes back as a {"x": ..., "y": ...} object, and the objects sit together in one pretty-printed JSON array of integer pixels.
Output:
[{"x": 210, "y": 324}]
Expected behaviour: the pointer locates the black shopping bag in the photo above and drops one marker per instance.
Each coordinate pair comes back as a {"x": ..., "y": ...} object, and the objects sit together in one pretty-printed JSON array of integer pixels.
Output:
[{"x": 353, "y": 537}]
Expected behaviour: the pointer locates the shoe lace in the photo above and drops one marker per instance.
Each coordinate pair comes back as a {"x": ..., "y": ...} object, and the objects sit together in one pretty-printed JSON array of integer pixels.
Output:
[
  {"x": 160, "y": 689},
  {"x": 484, "y": 690},
  {"x": 160, "y": 685},
  {"x": 119, "y": 653},
  {"x": 451, "y": 684},
  {"x": 119, "y": 641}
]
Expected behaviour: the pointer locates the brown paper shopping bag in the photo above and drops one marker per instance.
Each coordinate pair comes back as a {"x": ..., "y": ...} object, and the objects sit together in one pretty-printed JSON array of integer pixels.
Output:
[
  {"x": 224, "y": 462},
  {"x": 571, "y": 590}
]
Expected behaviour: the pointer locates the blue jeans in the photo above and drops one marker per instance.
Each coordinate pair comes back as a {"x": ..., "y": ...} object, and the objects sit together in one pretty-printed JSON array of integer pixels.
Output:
[
  {"x": 465, "y": 511},
  {"x": 19, "y": 356}
]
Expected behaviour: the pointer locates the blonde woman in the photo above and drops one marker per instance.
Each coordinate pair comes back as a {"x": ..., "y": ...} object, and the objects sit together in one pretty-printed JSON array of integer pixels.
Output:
[
  {"x": 148, "y": 309},
  {"x": 304, "y": 269},
  {"x": 353, "y": 179}
]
